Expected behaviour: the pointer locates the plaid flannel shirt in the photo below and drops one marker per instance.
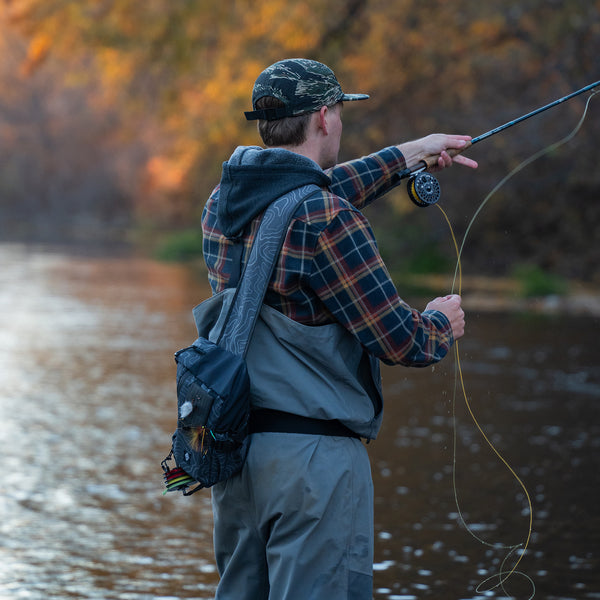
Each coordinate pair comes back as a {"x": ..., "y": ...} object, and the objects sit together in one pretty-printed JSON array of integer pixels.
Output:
[{"x": 330, "y": 268}]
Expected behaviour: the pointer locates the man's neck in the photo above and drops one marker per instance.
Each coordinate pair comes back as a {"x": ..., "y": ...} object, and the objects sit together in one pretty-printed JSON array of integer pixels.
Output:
[{"x": 306, "y": 149}]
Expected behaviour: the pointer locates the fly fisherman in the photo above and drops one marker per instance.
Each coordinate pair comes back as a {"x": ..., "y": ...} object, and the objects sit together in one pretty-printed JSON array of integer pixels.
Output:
[{"x": 297, "y": 521}]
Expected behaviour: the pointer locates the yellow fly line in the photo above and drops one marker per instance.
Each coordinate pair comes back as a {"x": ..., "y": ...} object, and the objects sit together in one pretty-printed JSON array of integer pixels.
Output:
[{"x": 503, "y": 575}]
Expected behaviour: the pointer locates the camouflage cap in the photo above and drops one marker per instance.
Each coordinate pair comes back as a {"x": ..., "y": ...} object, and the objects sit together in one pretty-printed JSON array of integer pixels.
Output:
[{"x": 302, "y": 85}]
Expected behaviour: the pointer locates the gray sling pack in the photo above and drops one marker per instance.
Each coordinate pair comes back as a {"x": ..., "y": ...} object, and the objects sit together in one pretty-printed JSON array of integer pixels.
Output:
[{"x": 213, "y": 388}]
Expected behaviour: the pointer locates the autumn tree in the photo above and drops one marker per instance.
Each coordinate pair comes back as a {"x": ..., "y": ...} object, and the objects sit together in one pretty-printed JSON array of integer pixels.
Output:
[{"x": 461, "y": 66}]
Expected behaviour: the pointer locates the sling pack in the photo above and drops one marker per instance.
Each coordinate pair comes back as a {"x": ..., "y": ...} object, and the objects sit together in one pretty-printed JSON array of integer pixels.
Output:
[{"x": 213, "y": 388}]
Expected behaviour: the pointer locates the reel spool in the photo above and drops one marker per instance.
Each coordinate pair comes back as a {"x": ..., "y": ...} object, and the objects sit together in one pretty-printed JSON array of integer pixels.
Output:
[{"x": 423, "y": 189}]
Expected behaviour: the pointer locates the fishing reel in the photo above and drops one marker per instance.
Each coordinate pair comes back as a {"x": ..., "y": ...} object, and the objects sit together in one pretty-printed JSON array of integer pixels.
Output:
[{"x": 423, "y": 189}]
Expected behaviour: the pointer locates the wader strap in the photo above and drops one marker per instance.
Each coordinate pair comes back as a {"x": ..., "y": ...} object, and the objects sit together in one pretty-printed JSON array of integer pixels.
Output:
[
  {"x": 254, "y": 280},
  {"x": 266, "y": 419}
]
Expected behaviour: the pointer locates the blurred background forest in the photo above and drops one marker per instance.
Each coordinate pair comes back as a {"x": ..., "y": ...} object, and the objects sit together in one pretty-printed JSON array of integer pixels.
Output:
[{"x": 115, "y": 116}]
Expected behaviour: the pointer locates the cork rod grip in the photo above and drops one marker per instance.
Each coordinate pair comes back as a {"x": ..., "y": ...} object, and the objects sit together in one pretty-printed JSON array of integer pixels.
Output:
[{"x": 431, "y": 161}]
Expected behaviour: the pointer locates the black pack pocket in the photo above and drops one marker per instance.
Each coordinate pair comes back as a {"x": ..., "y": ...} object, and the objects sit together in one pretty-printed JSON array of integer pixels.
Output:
[
  {"x": 212, "y": 387},
  {"x": 213, "y": 404}
]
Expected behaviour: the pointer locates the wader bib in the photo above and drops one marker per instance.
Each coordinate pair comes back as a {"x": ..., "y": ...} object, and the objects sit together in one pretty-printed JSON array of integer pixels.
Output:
[{"x": 297, "y": 521}]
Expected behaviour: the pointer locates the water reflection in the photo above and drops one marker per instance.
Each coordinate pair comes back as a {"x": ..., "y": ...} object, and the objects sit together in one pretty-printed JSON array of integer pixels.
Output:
[
  {"x": 534, "y": 391},
  {"x": 86, "y": 408}
]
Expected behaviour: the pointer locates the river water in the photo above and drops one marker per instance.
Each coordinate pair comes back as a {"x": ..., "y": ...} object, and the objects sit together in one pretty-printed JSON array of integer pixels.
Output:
[{"x": 87, "y": 408}]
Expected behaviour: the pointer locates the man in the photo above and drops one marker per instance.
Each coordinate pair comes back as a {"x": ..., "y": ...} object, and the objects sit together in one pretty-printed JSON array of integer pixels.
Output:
[{"x": 297, "y": 521}]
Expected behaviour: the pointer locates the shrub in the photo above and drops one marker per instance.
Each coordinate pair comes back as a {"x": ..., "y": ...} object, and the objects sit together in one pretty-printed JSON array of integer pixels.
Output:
[{"x": 534, "y": 281}]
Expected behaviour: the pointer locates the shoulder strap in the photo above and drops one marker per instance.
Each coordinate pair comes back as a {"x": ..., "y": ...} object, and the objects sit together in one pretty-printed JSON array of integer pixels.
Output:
[{"x": 253, "y": 283}]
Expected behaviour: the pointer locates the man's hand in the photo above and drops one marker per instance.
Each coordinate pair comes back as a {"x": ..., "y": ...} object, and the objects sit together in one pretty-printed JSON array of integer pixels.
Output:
[
  {"x": 450, "y": 306},
  {"x": 438, "y": 150}
]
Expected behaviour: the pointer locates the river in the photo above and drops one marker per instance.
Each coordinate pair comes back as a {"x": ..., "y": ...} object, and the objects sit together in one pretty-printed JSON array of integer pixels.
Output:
[{"x": 87, "y": 409}]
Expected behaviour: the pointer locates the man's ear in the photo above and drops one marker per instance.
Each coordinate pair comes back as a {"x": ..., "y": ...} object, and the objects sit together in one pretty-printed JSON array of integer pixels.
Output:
[{"x": 323, "y": 117}]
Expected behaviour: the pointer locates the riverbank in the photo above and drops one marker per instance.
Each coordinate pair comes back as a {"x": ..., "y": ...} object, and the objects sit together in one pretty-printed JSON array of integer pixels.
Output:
[
  {"x": 480, "y": 293},
  {"x": 492, "y": 294}
]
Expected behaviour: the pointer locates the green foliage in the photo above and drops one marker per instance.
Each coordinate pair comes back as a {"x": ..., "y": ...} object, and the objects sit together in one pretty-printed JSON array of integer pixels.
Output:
[
  {"x": 534, "y": 282},
  {"x": 181, "y": 246},
  {"x": 427, "y": 260}
]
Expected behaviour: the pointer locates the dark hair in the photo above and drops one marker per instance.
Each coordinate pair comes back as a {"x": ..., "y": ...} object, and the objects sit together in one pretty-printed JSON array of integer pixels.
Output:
[{"x": 289, "y": 131}]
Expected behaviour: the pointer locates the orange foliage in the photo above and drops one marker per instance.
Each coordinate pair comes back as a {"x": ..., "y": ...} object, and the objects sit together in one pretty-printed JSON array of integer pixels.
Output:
[
  {"x": 165, "y": 174},
  {"x": 38, "y": 50},
  {"x": 190, "y": 67}
]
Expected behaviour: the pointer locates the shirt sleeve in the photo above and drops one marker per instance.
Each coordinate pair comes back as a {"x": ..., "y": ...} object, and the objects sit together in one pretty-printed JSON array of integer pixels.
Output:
[
  {"x": 363, "y": 180},
  {"x": 350, "y": 278}
]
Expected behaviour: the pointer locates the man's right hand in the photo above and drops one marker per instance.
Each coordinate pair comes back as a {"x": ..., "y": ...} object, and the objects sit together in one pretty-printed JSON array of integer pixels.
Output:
[
  {"x": 435, "y": 148},
  {"x": 450, "y": 306}
]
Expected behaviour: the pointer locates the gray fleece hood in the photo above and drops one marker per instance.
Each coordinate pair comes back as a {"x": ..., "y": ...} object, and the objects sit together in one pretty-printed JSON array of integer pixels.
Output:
[{"x": 254, "y": 177}]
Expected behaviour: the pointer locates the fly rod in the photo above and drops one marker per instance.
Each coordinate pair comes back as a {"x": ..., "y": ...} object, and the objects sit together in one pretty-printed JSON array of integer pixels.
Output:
[{"x": 424, "y": 189}]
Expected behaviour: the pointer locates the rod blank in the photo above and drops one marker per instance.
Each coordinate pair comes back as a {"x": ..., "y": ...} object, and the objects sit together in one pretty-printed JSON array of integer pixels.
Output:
[
  {"x": 431, "y": 161},
  {"x": 488, "y": 134}
]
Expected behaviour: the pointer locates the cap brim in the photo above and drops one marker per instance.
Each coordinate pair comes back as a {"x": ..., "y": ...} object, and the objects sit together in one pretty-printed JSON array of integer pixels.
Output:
[{"x": 350, "y": 97}]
